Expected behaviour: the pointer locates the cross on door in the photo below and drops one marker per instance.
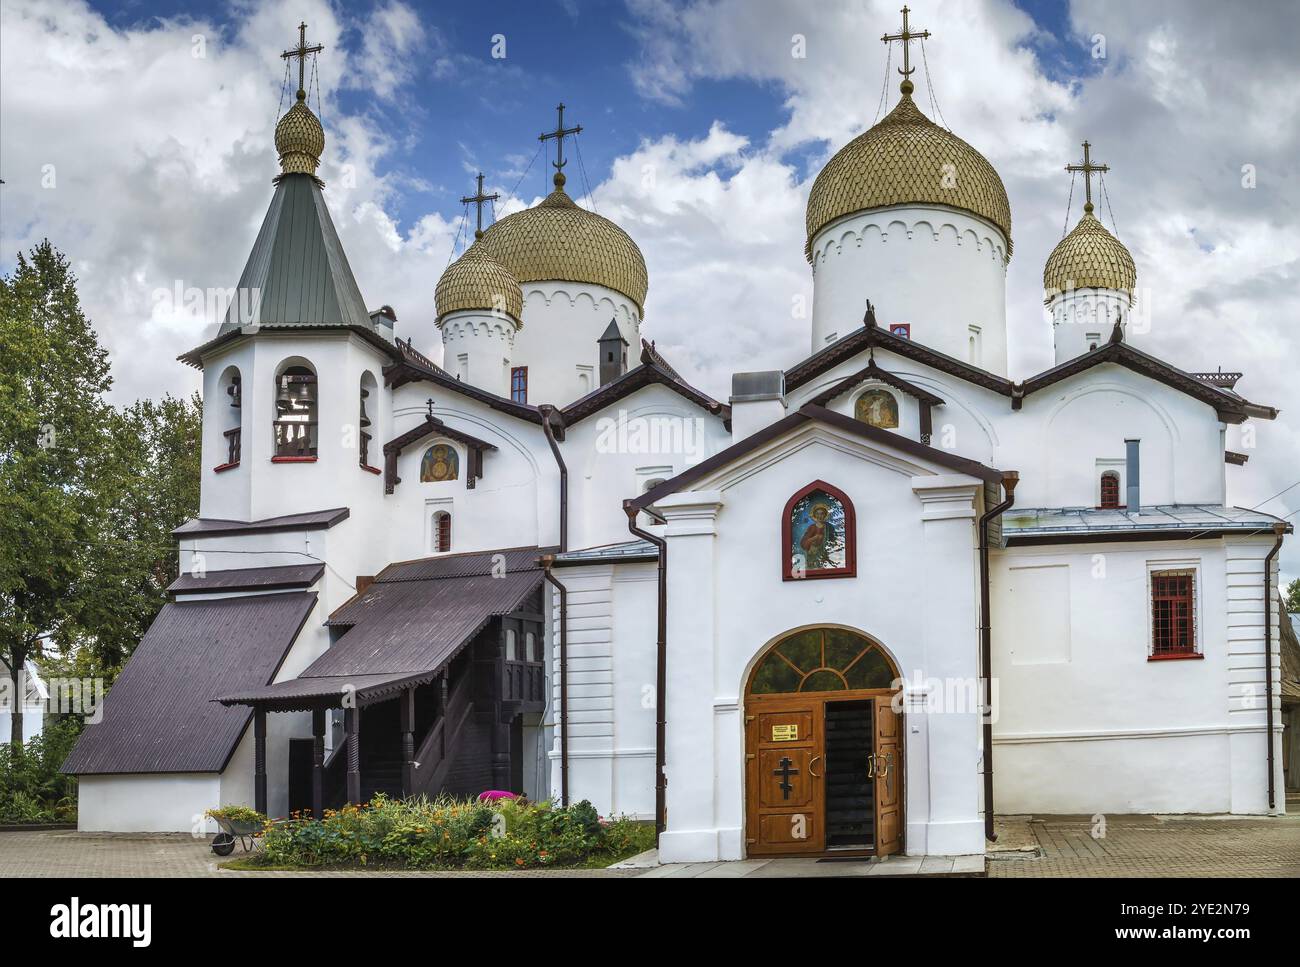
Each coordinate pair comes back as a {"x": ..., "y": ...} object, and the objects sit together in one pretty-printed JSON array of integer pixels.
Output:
[{"x": 785, "y": 772}]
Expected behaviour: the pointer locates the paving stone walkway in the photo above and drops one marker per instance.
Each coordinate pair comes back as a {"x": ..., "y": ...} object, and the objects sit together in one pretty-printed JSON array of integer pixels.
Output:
[{"x": 1028, "y": 846}]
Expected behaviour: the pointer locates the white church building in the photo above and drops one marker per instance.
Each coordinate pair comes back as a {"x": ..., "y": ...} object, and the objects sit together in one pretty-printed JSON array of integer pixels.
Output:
[{"x": 858, "y": 608}]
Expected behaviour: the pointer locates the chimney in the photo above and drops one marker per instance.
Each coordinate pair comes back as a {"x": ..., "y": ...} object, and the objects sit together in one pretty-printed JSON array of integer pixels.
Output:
[
  {"x": 613, "y": 354},
  {"x": 384, "y": 320},
  {"x": 757, "y": 400},
  {"x": 1132, "y": 477}
]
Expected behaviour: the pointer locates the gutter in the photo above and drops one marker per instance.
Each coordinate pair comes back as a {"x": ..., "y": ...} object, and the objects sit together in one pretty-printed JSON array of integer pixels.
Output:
[
  {"x": 547, "y": 562},
  {"x": 548, "y": 413},
  {"x": 1279, "y": 530},
  {"x": 1009, "y": 481},
  {"x": 661, "y": 664}
]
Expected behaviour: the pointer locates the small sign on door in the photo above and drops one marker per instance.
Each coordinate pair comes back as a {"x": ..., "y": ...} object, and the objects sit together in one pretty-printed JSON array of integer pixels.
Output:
[{"x": 785, "y": 733}]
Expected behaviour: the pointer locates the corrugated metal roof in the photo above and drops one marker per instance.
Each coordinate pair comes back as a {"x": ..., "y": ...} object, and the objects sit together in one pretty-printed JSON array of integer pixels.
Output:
[
  {"x": 159, "y": 715},
  {"x": 464, "y": 565},
  {"x": 249, "y": 579},
  {"x": 1022, "y": 522},
  {"x": 298, "y": 266},
  {"x": 409, "y": 623},
  {"x": 409, "y": 627},
  {"x": 215, "y": 527}
]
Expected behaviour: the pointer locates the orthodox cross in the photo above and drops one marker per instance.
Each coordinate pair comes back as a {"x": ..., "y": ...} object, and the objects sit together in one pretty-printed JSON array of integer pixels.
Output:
[
  {"x": 558, "y": 136},
  {"x": 429, "y": 404},
  {"x": 785, "y": 772},
  {"x": 907, "y": 36},
  {"x": 478, "y": 199},
  {"x": 1087, "y": 168},
  {"x": 301, "y": 52}
]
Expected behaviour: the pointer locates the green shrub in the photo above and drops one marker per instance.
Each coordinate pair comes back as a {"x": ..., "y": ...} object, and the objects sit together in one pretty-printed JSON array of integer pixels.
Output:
[
  {"x": 448, "y": 833},
  {"x": 242, "y": 815},
  {"x": 32, "y": 790}
]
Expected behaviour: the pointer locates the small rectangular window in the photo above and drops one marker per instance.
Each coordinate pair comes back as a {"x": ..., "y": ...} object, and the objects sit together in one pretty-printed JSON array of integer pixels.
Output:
[
  {"x": 519, "y": 384},
  {"x": 1110, "y": 490},
  {"x": 1173, "y": 613}
]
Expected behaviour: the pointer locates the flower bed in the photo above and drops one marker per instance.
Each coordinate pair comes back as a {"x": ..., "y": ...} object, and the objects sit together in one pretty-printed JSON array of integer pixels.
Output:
[{"x": 452, "y": 834}]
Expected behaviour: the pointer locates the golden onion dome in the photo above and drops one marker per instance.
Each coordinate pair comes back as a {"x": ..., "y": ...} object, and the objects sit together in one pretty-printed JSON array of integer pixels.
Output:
[
  {"x": 478, "y": 281},
  {"x": 557, "y": 240},
  {"x": 906, "y": 159},
  {"x": 1089, "y": 257},
  {"x": 299, "y": 139}
]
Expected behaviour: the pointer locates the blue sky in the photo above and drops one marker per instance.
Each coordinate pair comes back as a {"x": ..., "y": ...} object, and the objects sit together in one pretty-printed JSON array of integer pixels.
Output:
[
  {"x": 488, "y": 118},
  {"x": 702, "y": 136}
]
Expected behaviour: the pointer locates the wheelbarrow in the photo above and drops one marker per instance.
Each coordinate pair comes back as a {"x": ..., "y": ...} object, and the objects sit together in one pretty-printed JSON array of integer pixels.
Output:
[{"x": 223, "y": 844}]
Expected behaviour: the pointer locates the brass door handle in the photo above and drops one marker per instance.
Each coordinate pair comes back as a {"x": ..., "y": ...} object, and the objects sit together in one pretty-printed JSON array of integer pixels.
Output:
[
  {"x": 871, "y": 765},
  {"x": 810, "y": 767}
]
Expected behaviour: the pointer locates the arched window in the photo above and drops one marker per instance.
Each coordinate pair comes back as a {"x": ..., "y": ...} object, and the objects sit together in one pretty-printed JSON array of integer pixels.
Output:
[
  {"x": 441, "y": 532},
  {"x": 877, "y": 407},
  {"x": 229, "y": 418},
  {"x": 440, "y": 462},
  {"x": 296, "y": 395},
  {"x": 818, "y": 534},
  {"x": 822, "y": 660},
  {"x": 1110, "y": 490},
  {"x": 512, "y": 645}
]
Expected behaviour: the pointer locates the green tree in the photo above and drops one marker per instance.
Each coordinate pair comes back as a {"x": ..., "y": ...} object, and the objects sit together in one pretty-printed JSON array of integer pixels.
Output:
[
  {"x": 1292, "y": 597},
  {"x": 53, "y": 422},
  {"x": 148, "y": 487}
]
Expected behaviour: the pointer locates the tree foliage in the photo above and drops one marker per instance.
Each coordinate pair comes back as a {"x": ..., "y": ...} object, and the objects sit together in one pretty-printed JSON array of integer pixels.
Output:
[{"x": 88, "y": 494}]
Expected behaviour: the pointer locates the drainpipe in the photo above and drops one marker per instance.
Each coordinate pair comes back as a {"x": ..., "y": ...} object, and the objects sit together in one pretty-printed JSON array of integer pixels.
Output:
[
  {"x": 1009, "y": 481},
  {"x": 547, "y": 562},
  {"x": 547, "y": 412},
  {"x": 1279, "y": 529},
  {"x": 661, "y": 664}
]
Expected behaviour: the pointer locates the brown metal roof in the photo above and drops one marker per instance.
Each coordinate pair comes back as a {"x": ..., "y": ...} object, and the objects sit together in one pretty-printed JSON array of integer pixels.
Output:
[
  {"x": 653, "y": 369},
  {"x": 409, "y": 623},
  {"x": 214, "y": 527},
  {"x": 249, "y": 579},
  {"x": 159, "y": 715}
]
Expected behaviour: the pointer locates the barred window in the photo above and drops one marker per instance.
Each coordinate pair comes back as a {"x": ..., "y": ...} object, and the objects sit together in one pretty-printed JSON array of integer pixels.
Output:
[
  {"x": 519, "y": 384},
  {"x": 1110, "y": 490},
  {"x": 1173, "y": 613}
]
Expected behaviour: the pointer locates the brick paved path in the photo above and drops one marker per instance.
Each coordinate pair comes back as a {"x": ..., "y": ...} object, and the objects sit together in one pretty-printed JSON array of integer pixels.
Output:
[
  {"x": 1155, "y": 846},
  {"x": 1131, "y": 846}
]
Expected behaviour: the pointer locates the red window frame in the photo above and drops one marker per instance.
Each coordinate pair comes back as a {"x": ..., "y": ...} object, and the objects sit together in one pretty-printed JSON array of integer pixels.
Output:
[
  {"x": 442, "y": 532},
  {"x": 1110, "y": 491},
  {"x": 850, "y": 568},
  {"x": 1173, "y": 614},
  {"x": 519, "y": 384}
]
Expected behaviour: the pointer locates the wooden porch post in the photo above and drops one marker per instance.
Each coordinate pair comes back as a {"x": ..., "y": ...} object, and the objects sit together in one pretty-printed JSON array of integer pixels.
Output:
[
  {"x": 318, "y": 763},
  {"x": 352, "y": 727},
  {"x": 259, "y": 759},
  {"x": 408, "y": 742}
]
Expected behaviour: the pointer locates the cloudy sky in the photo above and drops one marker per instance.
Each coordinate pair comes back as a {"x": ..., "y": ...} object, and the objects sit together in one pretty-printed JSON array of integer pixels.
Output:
[{"x": 137, "y": 137}]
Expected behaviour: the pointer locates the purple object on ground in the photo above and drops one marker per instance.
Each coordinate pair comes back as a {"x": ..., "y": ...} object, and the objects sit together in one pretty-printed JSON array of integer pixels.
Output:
[{"x": 492, "y": 795}]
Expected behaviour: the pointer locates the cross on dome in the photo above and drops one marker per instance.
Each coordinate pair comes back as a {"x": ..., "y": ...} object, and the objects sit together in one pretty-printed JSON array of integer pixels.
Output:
[
  {"x": 477, "y": 199},
  {"x": 301, "y": 52},
  {"x": 906, "y": 36},
  {"x": 1087, "y": 167},
  {"x": 558, "y": 136}
]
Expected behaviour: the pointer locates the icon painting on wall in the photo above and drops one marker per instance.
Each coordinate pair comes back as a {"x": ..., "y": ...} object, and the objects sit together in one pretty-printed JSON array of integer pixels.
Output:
[
  {"x": 440, "y": 463},
  {"x": 877, "y": 407},
  {"x": 818, "y": 532}
]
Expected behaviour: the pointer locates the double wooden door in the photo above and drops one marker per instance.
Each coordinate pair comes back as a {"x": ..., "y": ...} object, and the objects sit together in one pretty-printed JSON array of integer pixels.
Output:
[{"x": 823, "y": 783}]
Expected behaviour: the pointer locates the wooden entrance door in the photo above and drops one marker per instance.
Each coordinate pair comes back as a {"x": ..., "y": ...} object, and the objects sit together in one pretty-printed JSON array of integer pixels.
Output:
[
  {"x": 887, "y": 769},
  {"x": 785, "y": 764}
]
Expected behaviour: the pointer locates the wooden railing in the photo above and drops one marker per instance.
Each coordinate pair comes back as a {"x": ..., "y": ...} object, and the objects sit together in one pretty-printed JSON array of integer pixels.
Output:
[
  {"x": 232, "y": 446},
  {"x": 438, "y": 750},
  {"x": 523, "y": 681},
  {"x": 294, "y": 438}
]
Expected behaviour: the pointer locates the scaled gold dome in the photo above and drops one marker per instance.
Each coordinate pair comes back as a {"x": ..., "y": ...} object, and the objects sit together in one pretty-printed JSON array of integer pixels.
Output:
[
  {"x": 299, "y": 139},
  {"x": 478, "y": 281},
  {"x": 1089, "y": 257},
  {"x": 905, "y": 159},
  {"x": 559, "y": 240}
]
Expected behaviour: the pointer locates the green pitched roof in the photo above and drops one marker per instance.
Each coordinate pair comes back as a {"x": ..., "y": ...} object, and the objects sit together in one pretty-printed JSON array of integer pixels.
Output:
[{"x": 299, "y": 266}]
